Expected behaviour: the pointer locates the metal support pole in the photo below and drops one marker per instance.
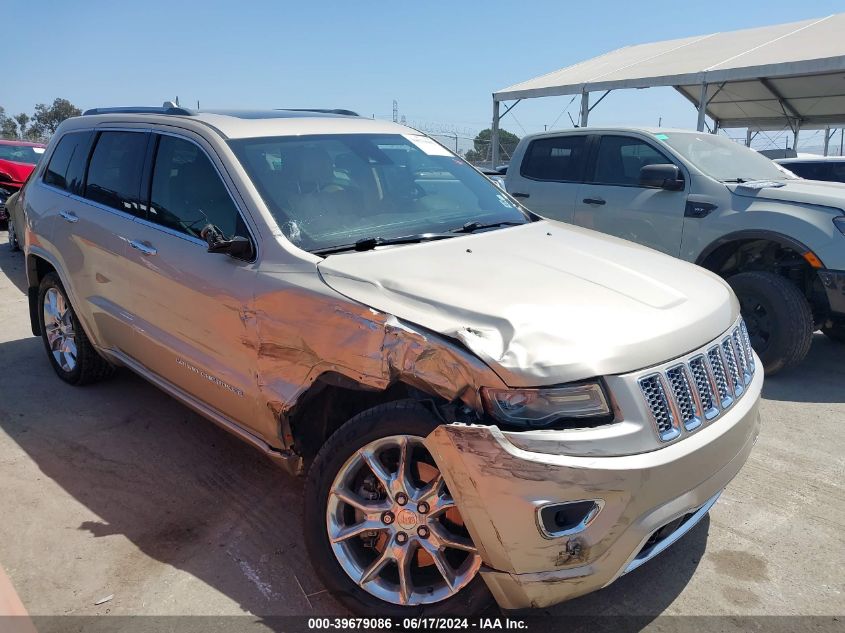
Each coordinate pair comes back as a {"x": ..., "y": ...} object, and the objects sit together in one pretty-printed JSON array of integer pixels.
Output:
[
  {"x": 795, "y": 140},
  {"x": 585, "y": 108},
  {"x": 826, "y": 140},
  {"x": 841, "y": 140},
  {"x": 702, "y": 107},
  {"x": 715, "y": 126},
  {"x": 494, "y": 136},
  {"x": 748, "y": 137}
]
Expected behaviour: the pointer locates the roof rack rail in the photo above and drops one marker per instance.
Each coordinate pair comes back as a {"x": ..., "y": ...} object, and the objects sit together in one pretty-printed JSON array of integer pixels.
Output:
[
  {"x": 323, "y": 111},
  {"x": 168, "y": 107}
]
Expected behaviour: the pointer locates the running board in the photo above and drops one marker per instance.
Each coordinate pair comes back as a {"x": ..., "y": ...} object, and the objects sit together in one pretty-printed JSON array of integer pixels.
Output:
[{"x": 288, "y": 460}]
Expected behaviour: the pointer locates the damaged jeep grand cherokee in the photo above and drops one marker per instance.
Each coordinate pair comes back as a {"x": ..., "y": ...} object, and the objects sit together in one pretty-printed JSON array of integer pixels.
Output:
[{"x": 487, "y": 405}]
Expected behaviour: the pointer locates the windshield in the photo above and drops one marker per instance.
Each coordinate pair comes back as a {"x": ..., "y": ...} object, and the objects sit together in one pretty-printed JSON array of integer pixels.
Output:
[
  {"x": 722, "y": 158},
  {"x": 329, "y": 191},
  {"x": 21, "y": 153}
]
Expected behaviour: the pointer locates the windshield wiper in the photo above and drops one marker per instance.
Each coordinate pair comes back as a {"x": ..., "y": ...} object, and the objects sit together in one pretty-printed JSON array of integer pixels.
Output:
[
  {"x": 369, "y": 243},
  {"x": 738, "y": 181},
  {"x": 471, "y": 227}
]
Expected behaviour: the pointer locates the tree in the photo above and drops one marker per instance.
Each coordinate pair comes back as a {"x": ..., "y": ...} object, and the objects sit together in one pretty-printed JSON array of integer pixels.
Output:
[
  {"x": 46, "y": 118},
  {"x": 8, "y": 126},
  {"x": 481, "y": 143},
  {"x": 22, "y": 120}
]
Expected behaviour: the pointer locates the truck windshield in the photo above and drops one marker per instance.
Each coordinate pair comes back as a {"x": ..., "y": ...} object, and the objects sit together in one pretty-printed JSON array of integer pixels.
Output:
[
  {"x": 722, "y": 158},
  {"x": 333, "y": 190}
]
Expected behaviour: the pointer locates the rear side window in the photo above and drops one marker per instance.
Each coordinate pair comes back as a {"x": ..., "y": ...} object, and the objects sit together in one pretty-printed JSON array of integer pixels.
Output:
[
  {"x": 810, "y": 171},
  {"x": 558, "y": 159},
  {"x": 187, "y": 193},
  {"x": 114, "y": 173},
  {"x": 620, "y": 159},
  {"x": 67, "y": 164}
]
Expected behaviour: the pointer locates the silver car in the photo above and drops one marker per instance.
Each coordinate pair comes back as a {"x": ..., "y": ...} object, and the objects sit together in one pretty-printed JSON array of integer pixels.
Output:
[{"x": 486, "y": 405}]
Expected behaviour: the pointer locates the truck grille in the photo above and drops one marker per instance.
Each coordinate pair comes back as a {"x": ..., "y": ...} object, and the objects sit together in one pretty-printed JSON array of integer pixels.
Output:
[{"x": 698, "y": 389}]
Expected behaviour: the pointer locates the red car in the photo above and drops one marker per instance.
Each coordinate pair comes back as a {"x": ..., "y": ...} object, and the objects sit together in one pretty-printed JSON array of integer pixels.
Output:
[{"x": 17, "y": 160}]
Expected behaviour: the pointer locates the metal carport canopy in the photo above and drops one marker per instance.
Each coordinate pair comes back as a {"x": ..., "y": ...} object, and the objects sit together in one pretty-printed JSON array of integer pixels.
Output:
[{"x": 763, "y": 78}]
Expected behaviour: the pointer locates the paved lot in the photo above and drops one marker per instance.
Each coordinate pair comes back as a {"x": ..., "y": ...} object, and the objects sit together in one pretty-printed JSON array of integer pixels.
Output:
[{"x": 116, "y": 489}]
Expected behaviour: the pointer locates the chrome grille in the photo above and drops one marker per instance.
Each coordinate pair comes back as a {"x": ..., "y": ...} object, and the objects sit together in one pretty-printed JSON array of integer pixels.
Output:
[
  {"x": 658, "y": 403},
  {"x": 741, "y": 355},
  {"x": 697, "y": 389},
  {"x": 746, "y": 344},
  {"x": 705, "y": 389},
  {"x": 719, "y": 375},
  {"x": 683, "y": 393}
]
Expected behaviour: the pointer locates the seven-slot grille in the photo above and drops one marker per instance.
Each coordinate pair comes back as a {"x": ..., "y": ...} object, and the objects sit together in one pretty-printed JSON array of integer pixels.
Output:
[{"x": 702, "y": 386}]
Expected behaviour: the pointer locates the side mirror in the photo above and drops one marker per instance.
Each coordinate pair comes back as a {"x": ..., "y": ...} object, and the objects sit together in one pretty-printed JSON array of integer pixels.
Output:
[
  {"x": 662, "y": 177},
  {"x": 237, "y": 247}
]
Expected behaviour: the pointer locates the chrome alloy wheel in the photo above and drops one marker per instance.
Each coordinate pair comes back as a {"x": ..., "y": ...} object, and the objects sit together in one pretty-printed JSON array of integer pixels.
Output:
[
  {"x": 394, "y": 528},
  {"x": 58, "y": 324}
]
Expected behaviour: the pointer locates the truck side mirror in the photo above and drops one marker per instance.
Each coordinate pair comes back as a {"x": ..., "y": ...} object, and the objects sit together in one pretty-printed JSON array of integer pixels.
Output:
[{"x": 662, "y": 177}]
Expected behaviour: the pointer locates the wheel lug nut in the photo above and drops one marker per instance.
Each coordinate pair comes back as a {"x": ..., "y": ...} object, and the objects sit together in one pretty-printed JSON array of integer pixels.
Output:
[
  {"x": 387, "y": 518},
  {"x": 422, "y": 508},
  {"x": 422, "y": 531},
  {"x": 401, "y": 538},
  {"x": 401, "y": 498}
]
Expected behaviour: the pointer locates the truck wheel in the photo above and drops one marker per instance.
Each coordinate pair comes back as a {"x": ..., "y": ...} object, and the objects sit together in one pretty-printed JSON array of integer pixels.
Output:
[
  {"x": 778, "y": 317},
  {"x": 381, "y": 527},
  {"x": 70, "y": 352},
  {"x": 14, "y": 245},
  {"x": 835, "y": 332}
]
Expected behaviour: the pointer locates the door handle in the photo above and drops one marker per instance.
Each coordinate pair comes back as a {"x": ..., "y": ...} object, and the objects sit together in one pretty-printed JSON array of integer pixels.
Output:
[
  {"x": 517, "y": 194},
  {"x": 593, "y": 201},
  {"x": 70, "y": 216},
  {"x": 145, "y": 249}
]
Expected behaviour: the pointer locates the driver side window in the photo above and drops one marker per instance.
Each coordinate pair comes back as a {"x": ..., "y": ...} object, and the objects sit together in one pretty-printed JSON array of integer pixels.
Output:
[
  {"x": 186, "y": 192},
  {"x": 620, "y": 159}
]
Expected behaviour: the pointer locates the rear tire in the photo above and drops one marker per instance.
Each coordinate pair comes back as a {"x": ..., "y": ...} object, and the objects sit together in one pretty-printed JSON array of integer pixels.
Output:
[
  {"x": 340, "y": 472},
  {"x": 71, "y": 354},
  {"x": 14, "y": 244},
  {"x": 778, "y": 317}
]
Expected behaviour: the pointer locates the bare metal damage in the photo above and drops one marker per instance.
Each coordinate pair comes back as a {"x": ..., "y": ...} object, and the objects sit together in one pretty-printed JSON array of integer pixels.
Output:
[{"x": 300, "y": 337}]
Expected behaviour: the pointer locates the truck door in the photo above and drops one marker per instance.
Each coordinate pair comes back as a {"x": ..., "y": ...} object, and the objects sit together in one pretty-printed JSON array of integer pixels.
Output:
[
  {"x": 612, "y": 201},
  {"x": 547, "y": 176}
]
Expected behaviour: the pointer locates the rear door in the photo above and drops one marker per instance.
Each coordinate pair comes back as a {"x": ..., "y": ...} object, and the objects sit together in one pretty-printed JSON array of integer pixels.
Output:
[
  {"x": 612, "y": 201},
  {"x": 191, "y": 307},
  {"x": 100, "y": 201},
  {"x": 547, "y": 178}
]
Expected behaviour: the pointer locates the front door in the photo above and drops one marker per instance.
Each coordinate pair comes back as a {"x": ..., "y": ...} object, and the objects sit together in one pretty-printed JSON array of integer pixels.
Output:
[
  {"x": 612, "y": 201},
  {"x": 190, "y": 306}
]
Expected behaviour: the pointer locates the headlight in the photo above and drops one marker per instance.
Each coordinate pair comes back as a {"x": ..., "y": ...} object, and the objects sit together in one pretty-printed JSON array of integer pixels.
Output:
[
  {"x": 840, "y": 223},
  {"x": 538, "y": 408}
]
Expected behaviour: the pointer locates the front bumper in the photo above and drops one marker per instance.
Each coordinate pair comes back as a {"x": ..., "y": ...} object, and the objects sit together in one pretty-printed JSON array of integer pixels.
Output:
[
  {"x": 834, "y": 285},
  {"x": 499, "y": 488}
]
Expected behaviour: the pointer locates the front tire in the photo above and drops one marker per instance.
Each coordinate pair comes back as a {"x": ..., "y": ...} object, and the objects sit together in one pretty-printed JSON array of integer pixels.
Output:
[
  {"x": 71, "y": 354},
  {"x": 778, "y": 317},
  {"x": 381, "y": 528}
]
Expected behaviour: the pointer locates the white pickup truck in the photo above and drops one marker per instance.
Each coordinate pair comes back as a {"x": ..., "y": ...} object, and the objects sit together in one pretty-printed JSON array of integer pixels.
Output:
[{"x": 777, "y": 239}]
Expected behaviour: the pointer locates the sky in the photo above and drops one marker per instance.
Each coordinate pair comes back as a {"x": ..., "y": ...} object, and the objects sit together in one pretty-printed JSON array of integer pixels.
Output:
[{"x": 440, "y": 61}]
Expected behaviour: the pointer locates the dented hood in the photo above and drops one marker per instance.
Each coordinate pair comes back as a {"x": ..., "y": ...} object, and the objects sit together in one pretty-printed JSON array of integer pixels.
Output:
[{"x": 543, "y": 303}]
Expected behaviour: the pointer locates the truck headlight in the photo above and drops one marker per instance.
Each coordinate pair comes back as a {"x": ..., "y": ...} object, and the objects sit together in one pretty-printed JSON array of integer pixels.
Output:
[
  {"x": 839, "y": 223},
  {"x": 541, "y": 407}
]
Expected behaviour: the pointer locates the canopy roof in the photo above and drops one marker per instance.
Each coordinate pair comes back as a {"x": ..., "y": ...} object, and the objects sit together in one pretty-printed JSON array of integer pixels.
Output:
[{"x": 767, "y": 77}]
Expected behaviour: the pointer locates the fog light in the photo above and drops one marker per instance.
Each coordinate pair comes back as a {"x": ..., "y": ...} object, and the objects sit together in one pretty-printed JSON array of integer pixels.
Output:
[{"x": 564, "y": 519}]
